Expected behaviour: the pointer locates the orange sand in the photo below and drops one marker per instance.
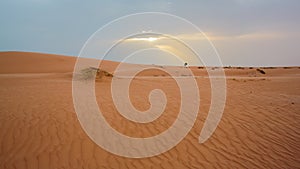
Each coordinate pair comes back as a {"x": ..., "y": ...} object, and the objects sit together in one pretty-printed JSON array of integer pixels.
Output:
[{"x": 260, "y": 127}]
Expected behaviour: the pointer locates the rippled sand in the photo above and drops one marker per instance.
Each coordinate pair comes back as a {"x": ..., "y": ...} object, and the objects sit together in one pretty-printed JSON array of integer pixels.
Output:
[{"x": 260, "y": 127}]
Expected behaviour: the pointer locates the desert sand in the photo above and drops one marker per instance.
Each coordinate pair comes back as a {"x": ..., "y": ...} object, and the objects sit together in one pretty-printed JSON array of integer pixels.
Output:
[{"x": 260, "y": 127}]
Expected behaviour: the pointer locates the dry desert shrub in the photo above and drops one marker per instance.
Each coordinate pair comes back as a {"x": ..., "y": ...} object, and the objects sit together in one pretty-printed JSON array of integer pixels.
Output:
[
  {"x": 92, "y": 72},
  {"x": 261, "y": 71}
]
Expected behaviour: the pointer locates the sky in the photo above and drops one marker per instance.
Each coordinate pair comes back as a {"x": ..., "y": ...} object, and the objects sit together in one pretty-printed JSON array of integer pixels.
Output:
[{"x": 244, "y": 32}]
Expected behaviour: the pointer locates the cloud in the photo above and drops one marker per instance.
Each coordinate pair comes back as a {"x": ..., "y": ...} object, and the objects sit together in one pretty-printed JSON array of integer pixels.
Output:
[
  {"x": 246, "y": 36},
  {"x": 262, "y": 35}
]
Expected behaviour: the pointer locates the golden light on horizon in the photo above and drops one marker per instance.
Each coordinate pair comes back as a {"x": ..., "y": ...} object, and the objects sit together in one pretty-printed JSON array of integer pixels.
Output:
[
  {"x": 152, "y": 39},
  {"x": 148, "y": 39}
]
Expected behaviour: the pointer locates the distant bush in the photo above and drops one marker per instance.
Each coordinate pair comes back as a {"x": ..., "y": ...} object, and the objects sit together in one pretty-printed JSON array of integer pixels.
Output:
[{"x": 261, "y": 71}]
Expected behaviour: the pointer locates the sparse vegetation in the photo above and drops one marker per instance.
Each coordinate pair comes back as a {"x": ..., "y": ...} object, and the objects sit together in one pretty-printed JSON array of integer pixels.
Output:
[
  {"x": 261, "y": 71},
  {"x": 92, "y": 72}
]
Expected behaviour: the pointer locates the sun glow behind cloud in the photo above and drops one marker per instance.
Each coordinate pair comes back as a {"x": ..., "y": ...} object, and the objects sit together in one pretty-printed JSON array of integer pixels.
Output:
[
  {"x": 212, "y": 37},
  {"x": 166, "y": 46},
  {"x": 149, "y": 39}
]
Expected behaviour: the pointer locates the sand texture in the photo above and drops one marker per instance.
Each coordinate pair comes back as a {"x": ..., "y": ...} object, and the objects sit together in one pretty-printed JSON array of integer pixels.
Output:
[{"x": 260, "y": 127}]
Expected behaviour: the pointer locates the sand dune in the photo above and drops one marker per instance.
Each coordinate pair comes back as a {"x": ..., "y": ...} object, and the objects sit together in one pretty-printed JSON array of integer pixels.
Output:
[{"x": 260, "y": 127}]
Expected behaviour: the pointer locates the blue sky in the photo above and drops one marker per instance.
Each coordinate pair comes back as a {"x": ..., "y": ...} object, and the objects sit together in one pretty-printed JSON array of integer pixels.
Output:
[{"x": 245, "y": 32}]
